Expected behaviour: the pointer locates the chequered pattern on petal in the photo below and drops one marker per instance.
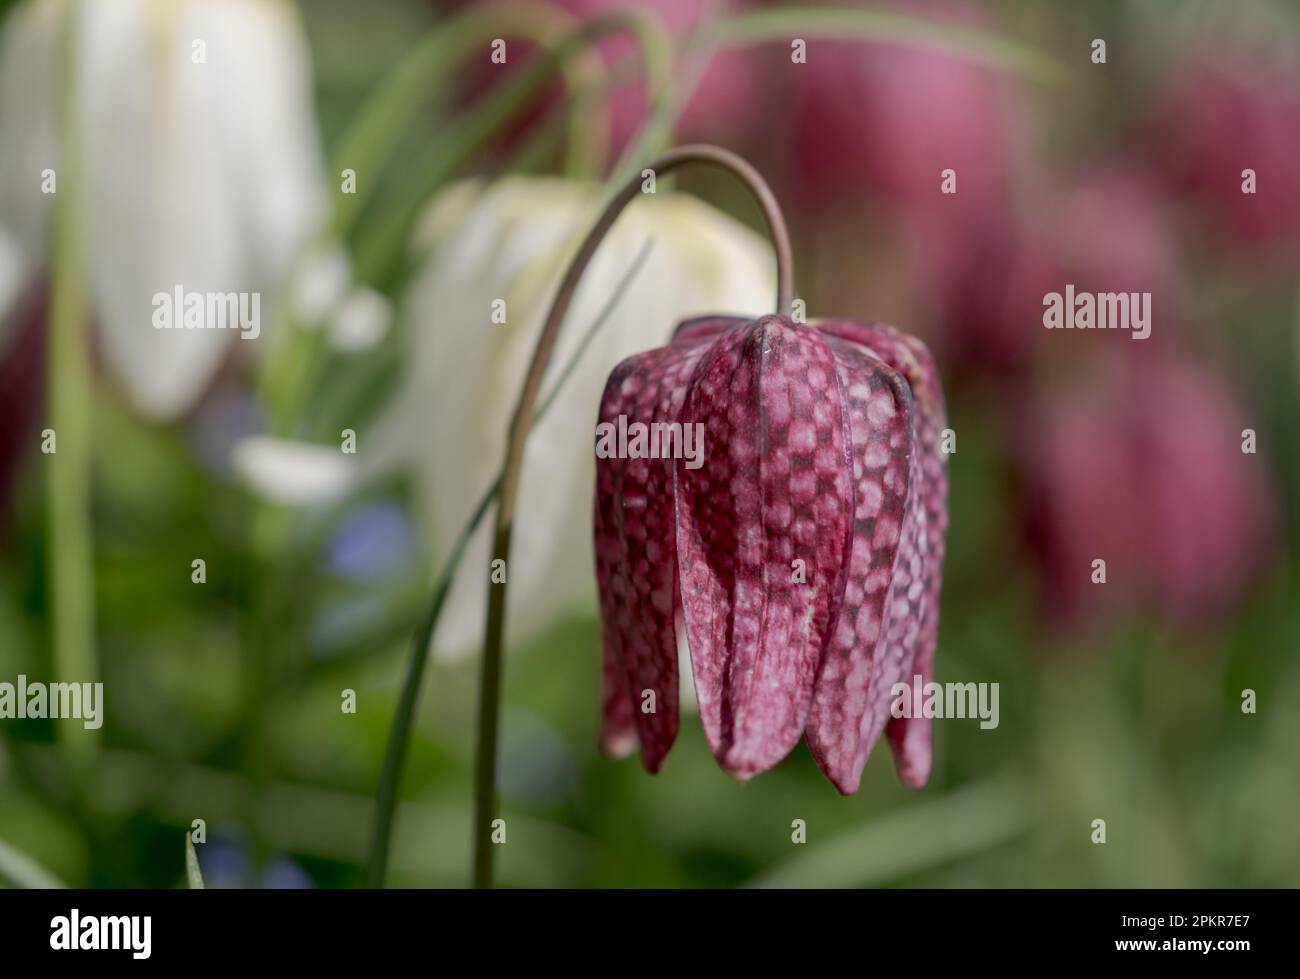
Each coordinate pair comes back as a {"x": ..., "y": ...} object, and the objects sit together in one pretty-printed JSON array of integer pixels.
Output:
[
  {"x": 762, "y": 534},
  {"x": 635, "y": 556},
  {"x": 905, "y": 617},
  {"x": 821, "y": 446},
  {"x": 914, "y": 603},
  {"x": 842, "y": 726}
]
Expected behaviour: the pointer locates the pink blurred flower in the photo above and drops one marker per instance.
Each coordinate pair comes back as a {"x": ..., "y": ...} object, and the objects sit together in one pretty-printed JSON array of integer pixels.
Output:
[
  {"x": 887, "y": 119},
  {"x": 724, "y": 96},
  {"x": 22, "y": 383},
  {"x": 1109, "y": 233},
  {"x": 1145, "y": 470},
  {"x": 869, "y": 130},
  {"x": 1220, "y": 115},
  {"x": 721, "y": 102}
]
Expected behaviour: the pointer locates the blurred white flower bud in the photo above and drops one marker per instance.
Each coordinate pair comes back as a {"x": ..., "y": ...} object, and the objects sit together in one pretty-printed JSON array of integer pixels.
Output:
[
  {"x": 292, "y": 472},
  {"x": 321, "y": 283},
  {"x": 501, "y": 248},
  {"x": 200, "y": 163},
  {"x": 361, "y": 322}
]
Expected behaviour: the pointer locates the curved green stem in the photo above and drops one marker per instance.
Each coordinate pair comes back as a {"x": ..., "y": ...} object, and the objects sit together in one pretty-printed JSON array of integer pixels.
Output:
[
  {"x": 399, "y": 735},
  {"x": 782, "y": 25},
  {"x": 521, "y": 425},
  {"x": 379, "y": 126},
  {"x": 847, "y": 24},
  {"x": 295, "y": 358},
  {"x": 378, "y": 249}
]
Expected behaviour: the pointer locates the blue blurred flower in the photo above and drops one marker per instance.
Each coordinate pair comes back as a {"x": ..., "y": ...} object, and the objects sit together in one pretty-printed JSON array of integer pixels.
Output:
[
  {"x": 226, "y": 863},
  {"x": 374, "y": 542}
]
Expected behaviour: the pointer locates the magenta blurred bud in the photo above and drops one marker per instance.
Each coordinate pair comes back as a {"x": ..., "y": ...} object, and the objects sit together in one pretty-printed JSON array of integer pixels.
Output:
[
  {"x": 1227, "y": 133},
  {"x": 1108, "y": 233},
  {"x": 887, "y": 121},
  {"x": 1153, "y": 472}
]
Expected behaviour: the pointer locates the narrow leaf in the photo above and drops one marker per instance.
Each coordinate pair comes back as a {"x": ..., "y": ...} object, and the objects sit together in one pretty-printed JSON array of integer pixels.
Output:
[
  {"x": 192, "y": 871},
  {"x": 20, "y": 870}
]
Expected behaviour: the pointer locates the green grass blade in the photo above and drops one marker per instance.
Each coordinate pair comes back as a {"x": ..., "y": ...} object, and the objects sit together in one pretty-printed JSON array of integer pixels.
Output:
[
  {"x": 192, "y": 871},
  {"x": 19, "y": 870}
]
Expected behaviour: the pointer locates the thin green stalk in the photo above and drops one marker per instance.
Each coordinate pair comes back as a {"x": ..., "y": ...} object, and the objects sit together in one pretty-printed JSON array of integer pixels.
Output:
[
  {"x": 912, "y": 840},
  {"x": 296, "y": 358},
  {"x": 543, "y": 140},
  {"x": 380, "y": 249},
  {"x": 846, "y": 24},
  {"x": 193, "y": 875},
  {"x": 19, "y": 870},
  {"x": 68, "y": 493},
  {"x": 387, "y": 115},
  {"x": 782, "y": 25},
  {"x": 399, "y": 735},
  {"x": 294, "y": 361},
  {"x": 521, "y": 425}
]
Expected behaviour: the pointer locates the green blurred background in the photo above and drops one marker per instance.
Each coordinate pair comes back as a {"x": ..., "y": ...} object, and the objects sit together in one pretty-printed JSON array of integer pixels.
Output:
[{"x": 223, "y": 700}]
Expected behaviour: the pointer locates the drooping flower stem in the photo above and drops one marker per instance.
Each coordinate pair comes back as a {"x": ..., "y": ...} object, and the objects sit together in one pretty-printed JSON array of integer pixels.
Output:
[
  {"x": 372, "y": 138},
  {"x": 521, "y": 425},
  {"x": 399, "y": 734}
]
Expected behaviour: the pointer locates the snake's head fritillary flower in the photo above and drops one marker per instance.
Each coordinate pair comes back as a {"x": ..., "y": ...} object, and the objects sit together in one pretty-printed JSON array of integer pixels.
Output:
[{"x": 779, "y": 490}]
